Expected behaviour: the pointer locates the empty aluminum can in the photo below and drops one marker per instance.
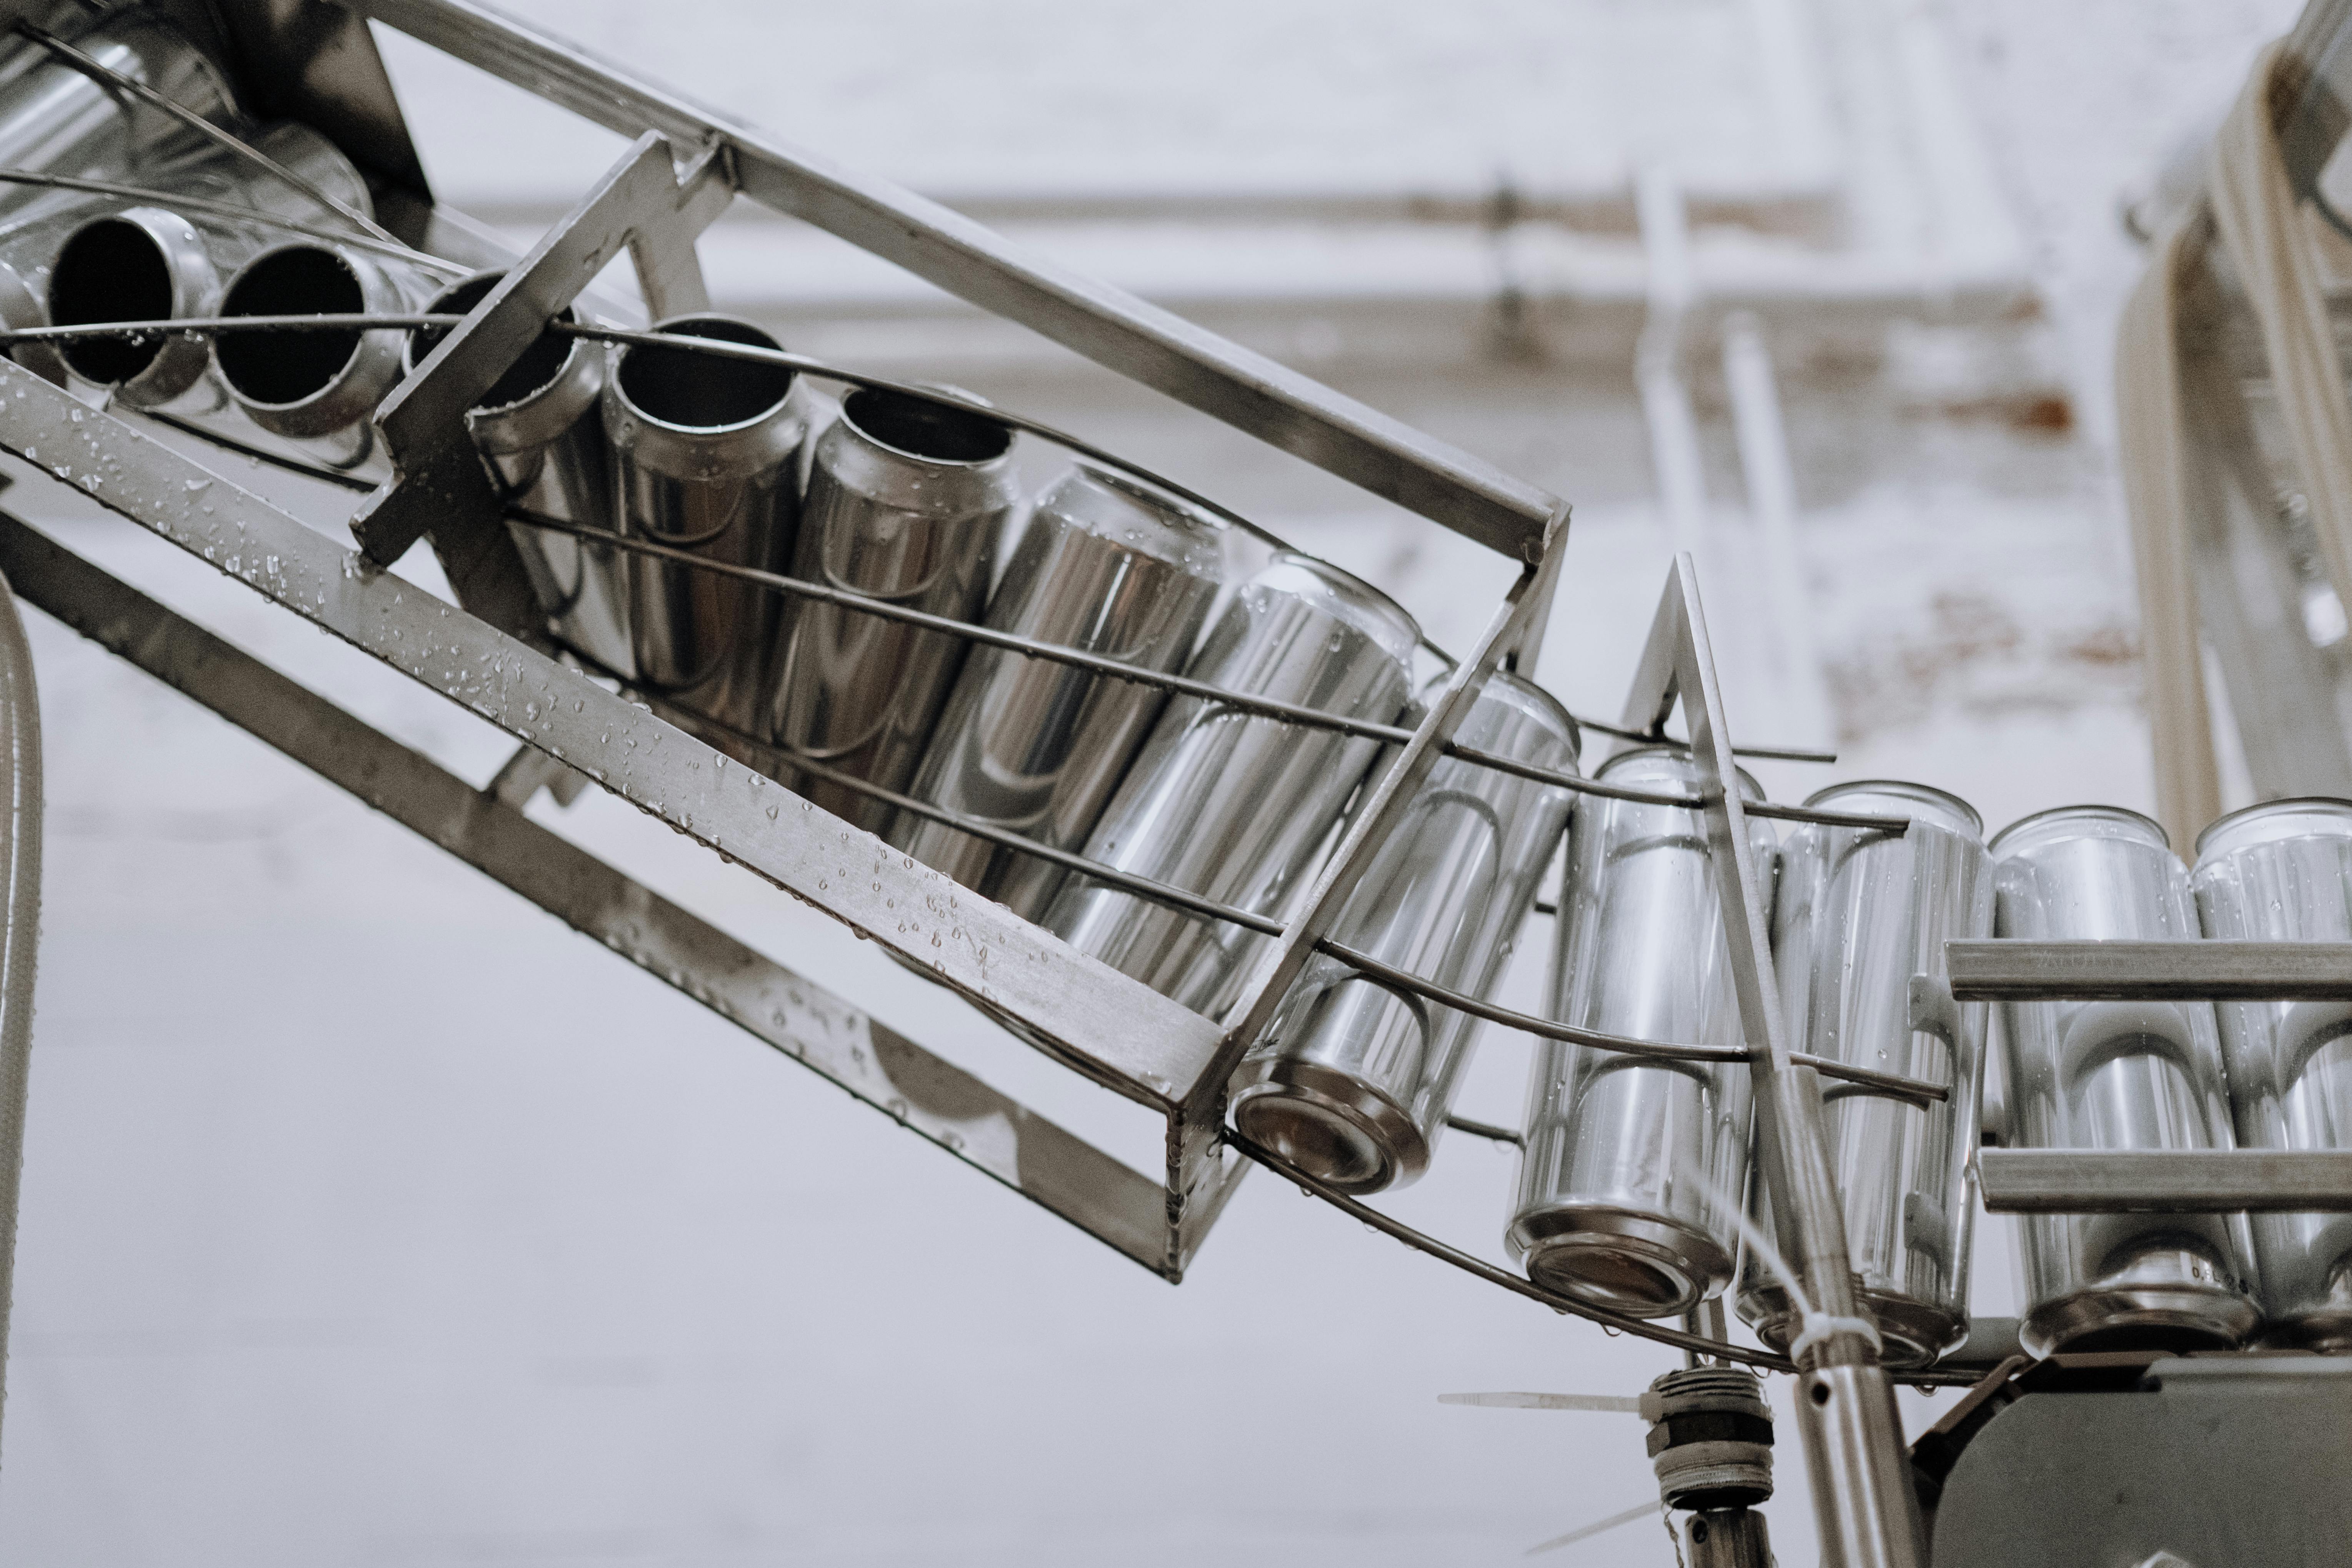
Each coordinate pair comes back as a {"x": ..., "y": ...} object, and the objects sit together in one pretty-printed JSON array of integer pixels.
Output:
[
  {"x": 1104, "y": 566},
  {"x": 1860, "y": 911},
  {"x": 317, "y": 387},
  {"x": 541, "y": 438},
  {"x": 1353, "y": 1078},
  {"x": 706, "y": 461},
  {"x": 1233, "y": 805},
  {"x": 149, "y": 262},
  {"x": 905, "y": 503},
  {"x": 2281, "y": 871},
  {"x": 1630, "y": 1185},
  {"x": 2115, "y": 1075}
]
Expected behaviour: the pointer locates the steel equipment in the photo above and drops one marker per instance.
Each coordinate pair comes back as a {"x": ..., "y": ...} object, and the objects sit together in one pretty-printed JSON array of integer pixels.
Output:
[
  {"x": 2115, "y": 1075},
  {"x": 1289, "y": 709}
]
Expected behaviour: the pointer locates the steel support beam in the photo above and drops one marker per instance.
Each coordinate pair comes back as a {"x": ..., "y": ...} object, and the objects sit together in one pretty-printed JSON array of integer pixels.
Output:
[
  {"x": 1859, "y": 1464},
  {"x": 2009, "y": 971},
  {"x": 2169, "y": 1181},
  {"x": 782, "y": 1009}
]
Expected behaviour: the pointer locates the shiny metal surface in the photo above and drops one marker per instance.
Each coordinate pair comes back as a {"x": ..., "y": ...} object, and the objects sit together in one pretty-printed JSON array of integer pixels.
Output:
[
  {"x": 1120, "y": 1034},
  {"x": 1859, "y": 913},
  {"x": 2150, "y": 1181},
  {"x": 542, "y": 435},
  {"x": 153, "y": 261},
  {"x": 1235, "y": 807},
  {"x": 705, "y": 456},
  {"x": 905, "y": 503},
  {"x": 2188, "y": 971},
  {"x": 1353, "y": 1079},
  {"x": 2282, "y": 872},
  {"x": 321, "y": 387},
  {"x": 1633, "y": 1168},
  {"x": 1104, "y": 566},
  {"x": 22, "y": 310},
  {"x": 1864, "y": 1508},
  {"x": 137, "y": 263},
  {"x": 61, "y": 120},
  {"x": 2115, "y": 1075}
]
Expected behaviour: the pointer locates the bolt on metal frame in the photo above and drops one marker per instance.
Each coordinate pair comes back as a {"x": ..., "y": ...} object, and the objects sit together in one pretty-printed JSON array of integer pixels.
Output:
[{"x": 490, "y": 653}]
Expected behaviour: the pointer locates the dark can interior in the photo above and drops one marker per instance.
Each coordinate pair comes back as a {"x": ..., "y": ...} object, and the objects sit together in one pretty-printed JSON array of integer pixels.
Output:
[
  {"x": 110, "y": 270},
  {"x": 540, "y": 363},
  {"x": 286, "y": 367},
  {"x": 928, "y": 430},
  {"x": 704, "y": 391}
]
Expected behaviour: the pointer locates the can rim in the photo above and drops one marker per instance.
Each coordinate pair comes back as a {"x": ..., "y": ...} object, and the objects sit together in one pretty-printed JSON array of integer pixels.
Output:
[
  {"x": 1002, "y": 457},
  {"x": 491, "y": 277},
  {"x": 2094, "y": 806},
  {"x": 1379, "y": 604},
  {"x": 1898, "y": 786},
  {"x": 1667, "y": 747},
  {"x": 675, "y": 326},
  {"x": 1143, "y": 490},
  {"x": 2264, "y": 809}
]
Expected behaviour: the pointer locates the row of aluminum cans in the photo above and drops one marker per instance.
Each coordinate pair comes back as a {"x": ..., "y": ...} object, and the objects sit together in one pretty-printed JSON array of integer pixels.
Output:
[
  {"x": 732, "y": 464},
  {"x": 1636, "y": 1170},
  {"x": 907, "y": 501}
]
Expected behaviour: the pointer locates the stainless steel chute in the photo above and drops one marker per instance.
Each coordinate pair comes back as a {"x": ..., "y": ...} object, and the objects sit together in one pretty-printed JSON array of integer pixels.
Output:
[{"x": 694, "y": 555}]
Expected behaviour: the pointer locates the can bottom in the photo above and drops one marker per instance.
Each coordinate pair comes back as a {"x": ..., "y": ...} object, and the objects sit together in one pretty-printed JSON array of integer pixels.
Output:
[
  {"x": 2180, "y": 1317},
  {"x": 1912, "y": 1334},
  {"x": 2328, "y": 1331},
  {"x": 1330, "y": 1124},
  {"x": 1637, "y": 1263}
]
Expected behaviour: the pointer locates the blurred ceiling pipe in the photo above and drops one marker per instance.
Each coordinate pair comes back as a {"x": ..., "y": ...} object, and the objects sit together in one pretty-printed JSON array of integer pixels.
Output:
[
  {"x": 1802, "y": 698},
  {"x": 1785, "y": 50},
  {"x": 1657, "y": 364}
]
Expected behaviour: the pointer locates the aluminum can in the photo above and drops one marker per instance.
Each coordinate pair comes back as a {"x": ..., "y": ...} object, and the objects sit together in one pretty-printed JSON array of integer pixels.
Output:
[
  {"x": 57, "y": 120},
  {"x": 706, "y": 460},
  {"x": 2281, "y": 871},
  {"x": 1630, "y": 1185},
  {"x": 21, "y": 309},
  {"x": 2115, "y": 1075},
  {"x": 542, "y": 439},
  {"x": 1858, "y": 913},
  {"x": 1234, "y": 805},
  {"x": 1352, "y": 1079},
  {"x": 1106, "y": 567},
  {"x": 109, "y": 260},
  {"x": 321, "y": 388},
  {"x": 905, "y": 503}
]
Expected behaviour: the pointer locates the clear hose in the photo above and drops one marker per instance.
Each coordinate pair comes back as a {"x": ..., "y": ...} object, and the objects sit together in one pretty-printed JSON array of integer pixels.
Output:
[{"x": 20, "y": 897}]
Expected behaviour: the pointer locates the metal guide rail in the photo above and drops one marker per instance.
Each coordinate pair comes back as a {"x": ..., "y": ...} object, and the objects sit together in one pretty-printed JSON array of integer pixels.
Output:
[
  {"x": 2149, "y": 1181},
  {"x": 493, "y": 652}
]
